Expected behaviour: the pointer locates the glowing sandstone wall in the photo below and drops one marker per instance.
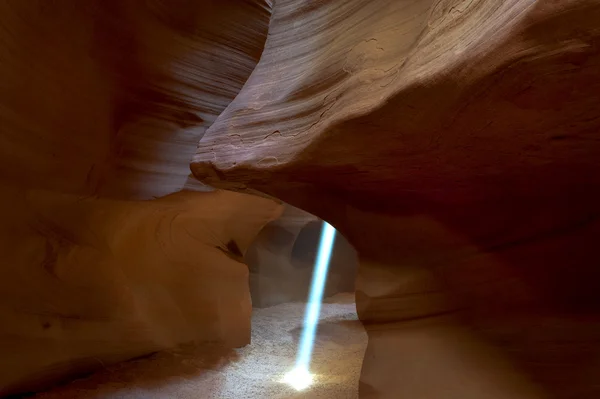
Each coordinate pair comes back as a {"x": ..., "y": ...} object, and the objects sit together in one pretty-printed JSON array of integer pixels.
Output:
[{"x": 89, "y": 282}]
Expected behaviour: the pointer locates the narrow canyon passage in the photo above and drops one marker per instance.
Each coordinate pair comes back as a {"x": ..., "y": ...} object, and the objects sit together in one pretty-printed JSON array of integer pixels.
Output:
[
  {"x": 251, "y": 372},
  {"x": 166, "y": 168}
]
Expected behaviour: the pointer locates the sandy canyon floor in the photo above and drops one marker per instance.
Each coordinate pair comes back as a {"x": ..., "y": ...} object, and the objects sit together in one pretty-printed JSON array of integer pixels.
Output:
[{"x": 203, "y": 372}]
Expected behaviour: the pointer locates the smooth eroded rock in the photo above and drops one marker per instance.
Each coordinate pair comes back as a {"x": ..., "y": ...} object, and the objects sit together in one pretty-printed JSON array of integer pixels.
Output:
[
  {"x": 89, "y": 282},
  {"x": 455, "y": 144}
]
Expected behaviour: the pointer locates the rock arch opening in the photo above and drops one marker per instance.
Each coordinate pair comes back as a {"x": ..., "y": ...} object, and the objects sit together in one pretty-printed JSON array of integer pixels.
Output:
[{"x": 281, "y": 260}]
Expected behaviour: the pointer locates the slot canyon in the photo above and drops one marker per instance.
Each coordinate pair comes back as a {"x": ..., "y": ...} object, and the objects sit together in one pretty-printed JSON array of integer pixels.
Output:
[{"x": 168, "y": 166}]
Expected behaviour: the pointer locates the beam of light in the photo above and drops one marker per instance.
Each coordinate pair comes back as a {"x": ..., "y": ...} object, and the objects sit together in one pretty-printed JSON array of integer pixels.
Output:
[{"x": 300, "y": 377}]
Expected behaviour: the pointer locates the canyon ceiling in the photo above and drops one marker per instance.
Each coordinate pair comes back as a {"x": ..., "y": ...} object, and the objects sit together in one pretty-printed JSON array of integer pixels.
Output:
[{"x": 454, "y": 143}]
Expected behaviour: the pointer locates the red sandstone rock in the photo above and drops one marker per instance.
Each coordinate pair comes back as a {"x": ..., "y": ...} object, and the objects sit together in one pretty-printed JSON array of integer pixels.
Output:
[
  {"x": 455, "y": 144},
  {"x": 111, "y": 97},
  {"x": 108, "y": 99}
]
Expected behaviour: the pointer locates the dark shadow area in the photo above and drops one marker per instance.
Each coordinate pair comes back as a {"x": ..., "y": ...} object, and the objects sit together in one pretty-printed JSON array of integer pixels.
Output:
[{"x": 306, "y": 246}]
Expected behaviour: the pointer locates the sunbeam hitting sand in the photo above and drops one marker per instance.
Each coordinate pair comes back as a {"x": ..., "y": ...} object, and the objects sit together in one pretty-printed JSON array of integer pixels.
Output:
[{"x": 255, "y": 371}]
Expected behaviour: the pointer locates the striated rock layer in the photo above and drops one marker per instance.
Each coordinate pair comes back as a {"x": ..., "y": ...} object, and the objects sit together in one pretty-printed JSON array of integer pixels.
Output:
[
  {"x": 455, "y": 144},
  {"x": 102, "y": 104},
  {"x": 111, "y": 97}
]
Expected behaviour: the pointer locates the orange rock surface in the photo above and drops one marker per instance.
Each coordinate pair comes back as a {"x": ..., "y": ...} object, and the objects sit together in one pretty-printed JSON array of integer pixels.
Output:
[
  {"x": 454, "y": 143},
  {"x": 102, "y": 105}
]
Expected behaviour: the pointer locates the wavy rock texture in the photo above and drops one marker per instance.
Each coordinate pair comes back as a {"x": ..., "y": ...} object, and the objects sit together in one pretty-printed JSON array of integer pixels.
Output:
[
  {"x": 282, "y": 258},
  {"x": 455, "y": 144},
  {"x": 108, "y": 99},
  {"x": 111, "y": 97}
]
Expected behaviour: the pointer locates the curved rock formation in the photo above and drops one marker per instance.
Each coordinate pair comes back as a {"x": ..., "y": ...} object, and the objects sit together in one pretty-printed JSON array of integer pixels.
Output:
[
  {"x": 455, "y": 144},
  {"x": 282, "y": 258},
  {"x": 102, "y": 103},
  {"x": 111, "y": 97},
  {"x": 91, "y": 282}
]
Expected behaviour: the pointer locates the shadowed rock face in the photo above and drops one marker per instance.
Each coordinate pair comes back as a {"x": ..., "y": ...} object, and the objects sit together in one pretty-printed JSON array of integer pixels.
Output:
[
  {"x": 102, "y": 105},
  {"x": 455, "y": 144},
  {"x": 111, "y": 97}
]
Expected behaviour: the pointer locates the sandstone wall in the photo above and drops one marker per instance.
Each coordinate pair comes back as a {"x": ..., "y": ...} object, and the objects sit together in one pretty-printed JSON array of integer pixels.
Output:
[
  {"x": 89, "y": 282},
  {"x": 102, "y": 104},
  {"x": 455, "y": 144}
]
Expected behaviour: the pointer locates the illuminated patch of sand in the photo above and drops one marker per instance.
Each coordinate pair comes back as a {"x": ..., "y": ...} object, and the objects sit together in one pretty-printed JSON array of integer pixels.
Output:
[{"x": 255, "y": 371}]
